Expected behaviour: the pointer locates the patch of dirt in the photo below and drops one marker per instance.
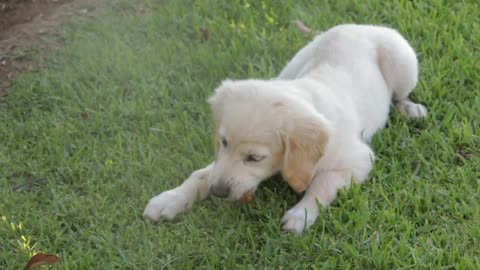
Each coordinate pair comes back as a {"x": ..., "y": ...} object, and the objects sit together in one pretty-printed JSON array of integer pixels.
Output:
[{"x": 24, "y": 23}]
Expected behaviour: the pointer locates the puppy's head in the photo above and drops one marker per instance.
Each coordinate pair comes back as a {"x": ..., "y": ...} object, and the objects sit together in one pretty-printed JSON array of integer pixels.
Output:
[{"x": 261, "y": 130}]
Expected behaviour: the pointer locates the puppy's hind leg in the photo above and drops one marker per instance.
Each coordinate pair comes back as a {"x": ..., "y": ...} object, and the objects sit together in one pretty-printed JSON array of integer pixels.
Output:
[
  {"x": 354, "y": 166},
  {"x": 399, "y": 66}
]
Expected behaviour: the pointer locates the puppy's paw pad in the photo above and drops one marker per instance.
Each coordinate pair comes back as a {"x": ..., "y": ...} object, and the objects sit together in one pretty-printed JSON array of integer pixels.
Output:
[
  {"x": 411, "y": 109},
  {"x": 167, "y": 205},
  {"x": 297, "y": 220}
]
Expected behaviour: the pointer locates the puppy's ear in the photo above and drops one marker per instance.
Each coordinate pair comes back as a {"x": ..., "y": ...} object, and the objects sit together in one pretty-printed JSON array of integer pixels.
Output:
[
  {"x": 216, "y": 102},
  {"x": 305, "y": 142}
]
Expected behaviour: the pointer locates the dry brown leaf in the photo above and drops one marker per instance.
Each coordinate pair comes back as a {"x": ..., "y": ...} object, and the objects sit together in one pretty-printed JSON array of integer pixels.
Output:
[
  {"x": 29, "y": 183},
  {"x": 84, "y": 115},
  {"x": 302, "y": 27},
  {"x": 205, "y": 34},
  {"x": 41, "y": 259}
]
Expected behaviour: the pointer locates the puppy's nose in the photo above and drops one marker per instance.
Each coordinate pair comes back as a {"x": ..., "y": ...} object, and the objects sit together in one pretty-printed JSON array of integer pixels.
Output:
[{"x": 220, "y": 190}]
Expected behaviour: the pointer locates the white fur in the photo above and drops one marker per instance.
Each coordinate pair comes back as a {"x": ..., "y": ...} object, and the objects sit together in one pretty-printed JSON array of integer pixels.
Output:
[{"x": 340, "y": 85}]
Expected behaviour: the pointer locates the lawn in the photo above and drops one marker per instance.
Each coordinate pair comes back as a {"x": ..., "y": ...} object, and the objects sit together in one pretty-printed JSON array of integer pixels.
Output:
[{"x": 118, "y": 114}]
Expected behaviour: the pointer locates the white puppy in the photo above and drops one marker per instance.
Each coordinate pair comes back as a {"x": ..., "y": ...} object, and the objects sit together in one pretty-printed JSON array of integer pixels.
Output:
[{"x": 312, "y": 123}]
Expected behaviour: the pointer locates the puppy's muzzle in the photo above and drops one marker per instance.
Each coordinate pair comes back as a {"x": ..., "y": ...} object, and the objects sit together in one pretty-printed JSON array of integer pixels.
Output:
[{"x": 220, "y": 190}]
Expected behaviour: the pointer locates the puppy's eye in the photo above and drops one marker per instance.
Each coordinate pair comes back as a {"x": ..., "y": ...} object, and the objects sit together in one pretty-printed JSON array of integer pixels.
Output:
[
  {"x": 254, "y": 158},
  {"x": 224, "y": 142}
]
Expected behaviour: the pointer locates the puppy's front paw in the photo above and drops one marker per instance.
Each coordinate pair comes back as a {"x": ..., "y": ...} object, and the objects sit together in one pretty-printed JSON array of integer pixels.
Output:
[
  {"x": 411, "y": 109},
  {"x": 298, "y": 219},
  {"x": 167, "y": 205}
]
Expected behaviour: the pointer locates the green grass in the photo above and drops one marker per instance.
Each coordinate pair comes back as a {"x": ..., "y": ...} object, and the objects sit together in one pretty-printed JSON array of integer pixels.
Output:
[{"x": 119, "y": 115}]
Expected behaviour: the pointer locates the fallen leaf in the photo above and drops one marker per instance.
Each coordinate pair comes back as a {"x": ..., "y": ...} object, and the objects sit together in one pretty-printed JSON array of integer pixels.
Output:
[
  {"x": 302, "y": 27},
  {"x": 41, "y": 259},
  {"x": 205, "y": 34},
  {"x": 29, "y": 183},
  {"x": 462, "y": 154}
]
